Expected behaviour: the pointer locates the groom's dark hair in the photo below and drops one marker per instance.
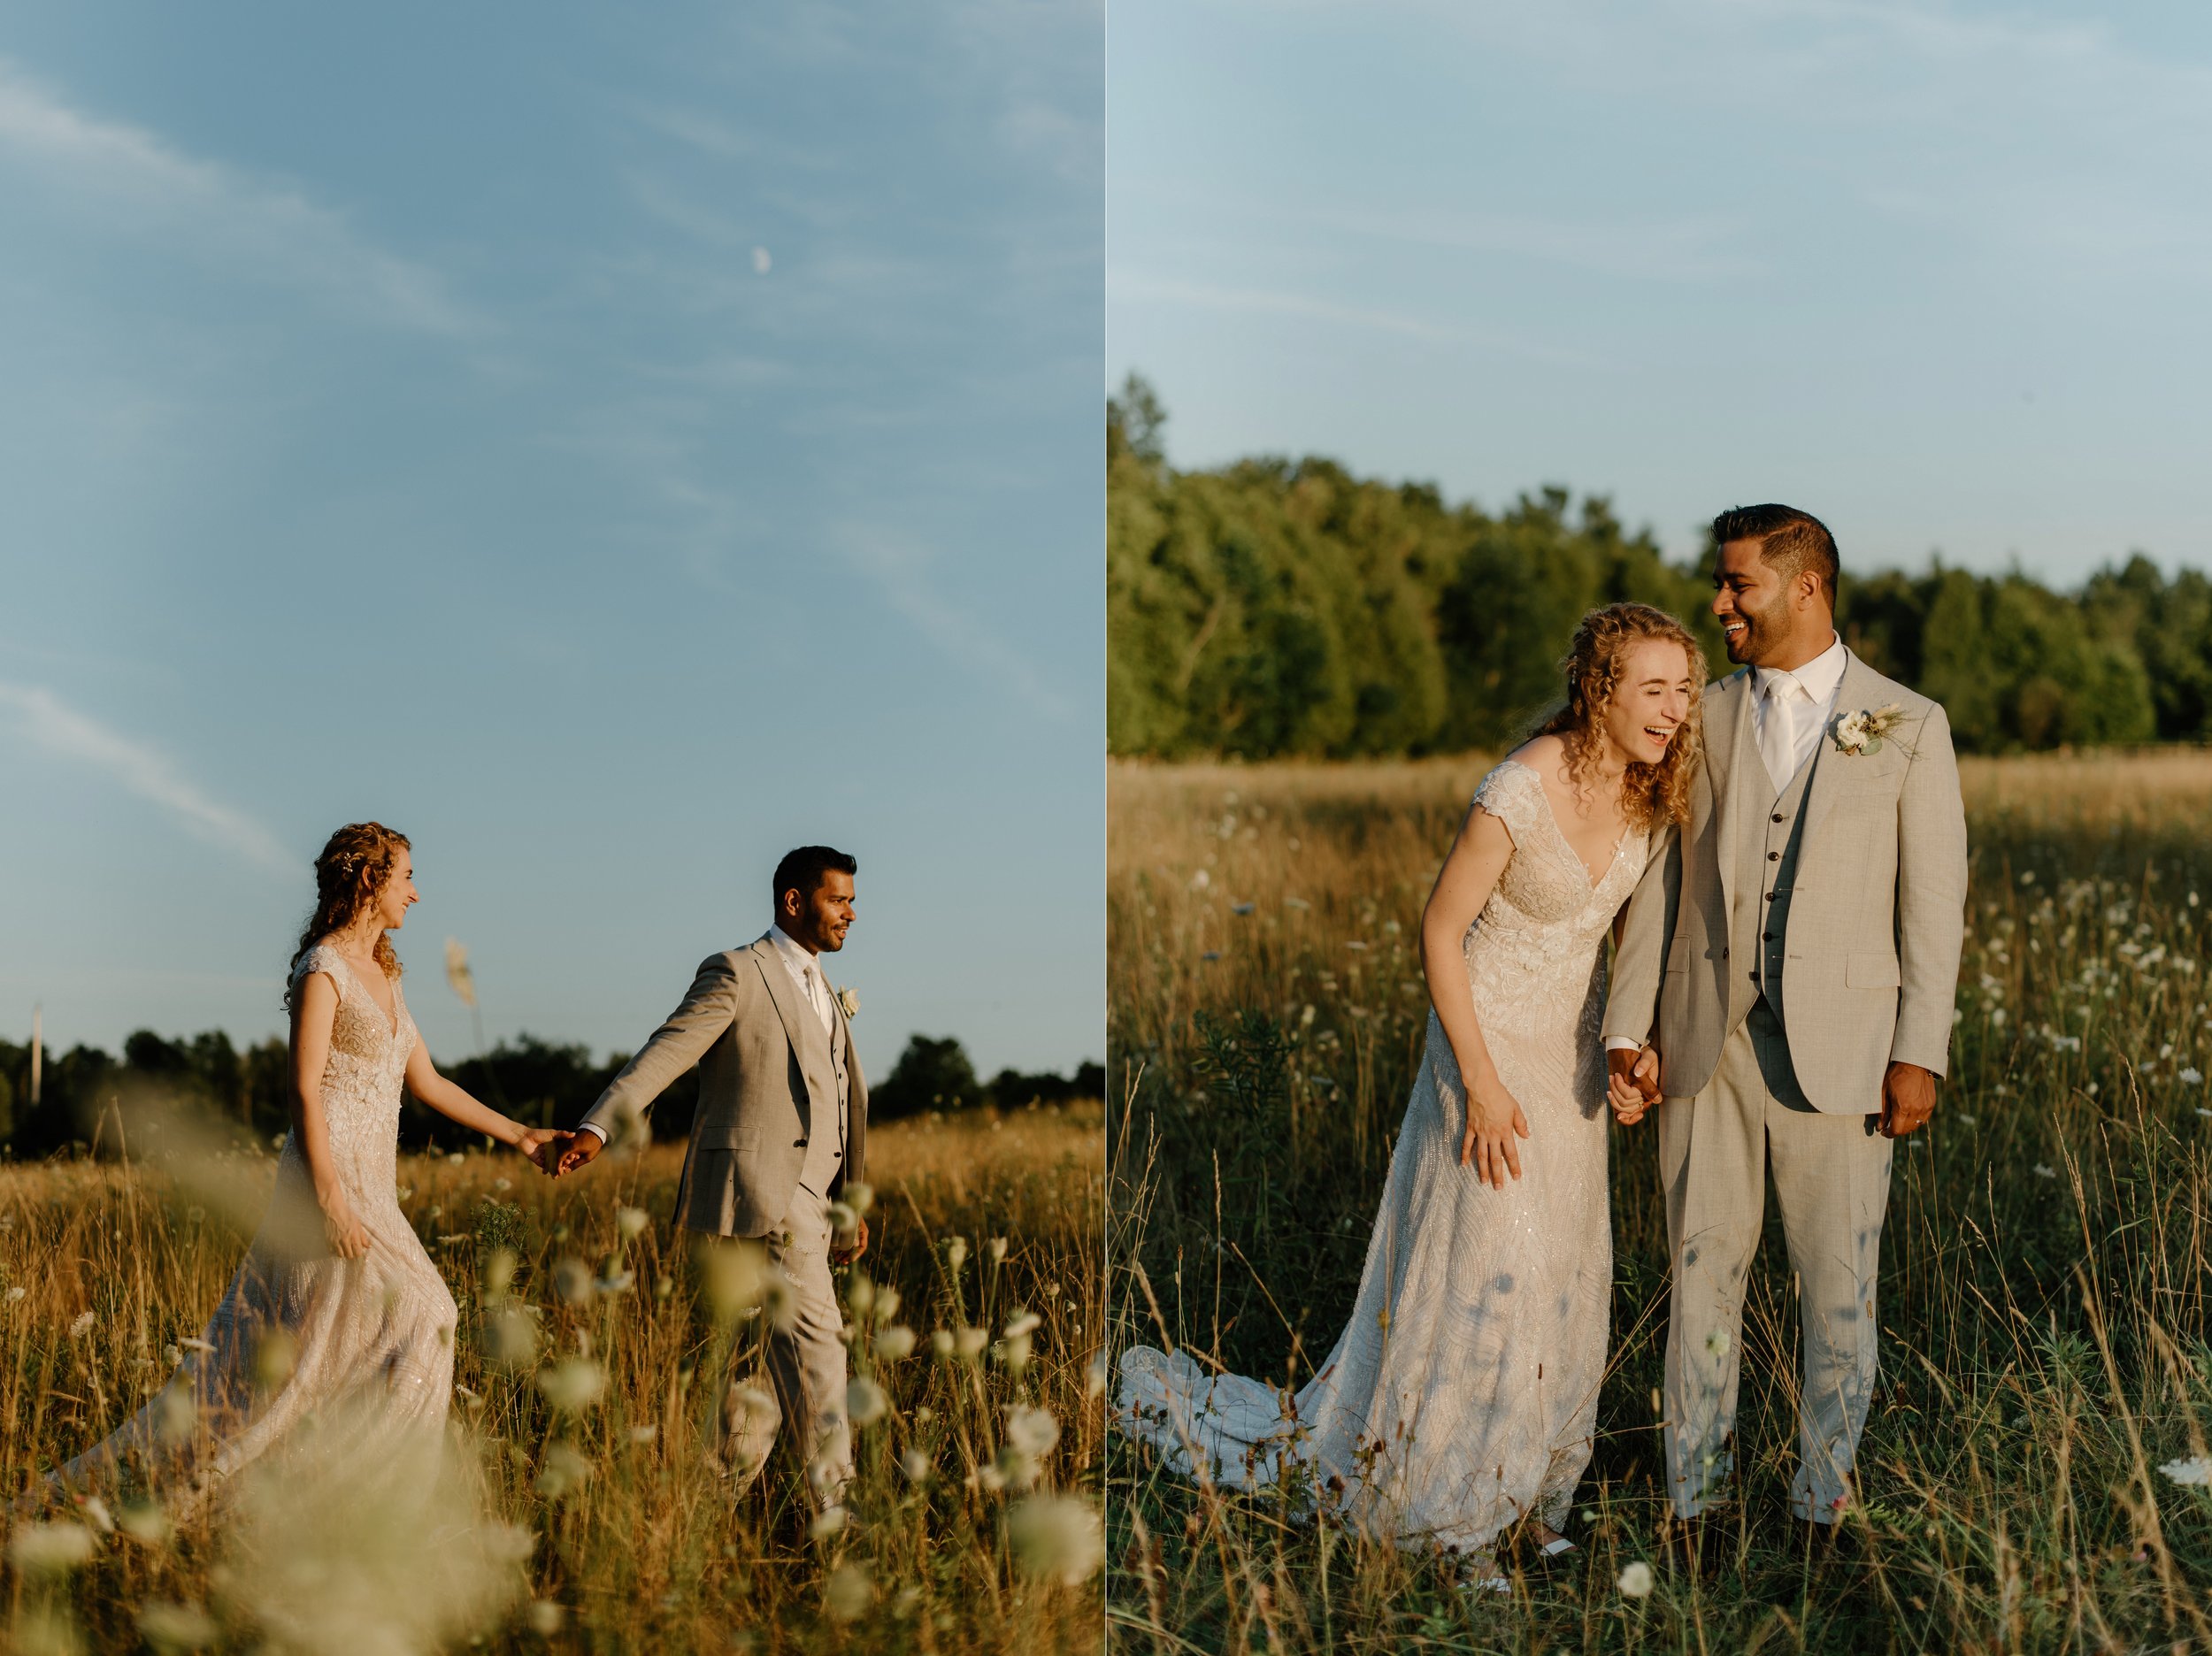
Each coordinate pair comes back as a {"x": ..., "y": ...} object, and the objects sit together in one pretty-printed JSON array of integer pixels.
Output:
[
  {"x": 802, "y": 870},
  {"x": 1790, "y": 540}
]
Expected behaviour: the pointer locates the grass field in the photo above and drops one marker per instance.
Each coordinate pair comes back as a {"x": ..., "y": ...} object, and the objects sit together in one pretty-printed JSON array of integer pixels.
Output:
[
  {"x": 973, "y": 1529},
  {"x": 2044, "y": 1312}
]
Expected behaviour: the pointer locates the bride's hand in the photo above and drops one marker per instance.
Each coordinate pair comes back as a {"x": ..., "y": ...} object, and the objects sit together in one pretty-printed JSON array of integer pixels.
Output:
[
  {"x": 348, "y": 1238},
  {"x": 1493, "y": 1118},
  {"x": 534, "y": 1142}
]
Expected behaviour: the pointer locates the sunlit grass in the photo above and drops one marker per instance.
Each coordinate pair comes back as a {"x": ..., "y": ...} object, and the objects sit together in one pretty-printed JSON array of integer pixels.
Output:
[
  {"x": 957, "y": 1539},
  {"x": 2044, "y": 1321}
]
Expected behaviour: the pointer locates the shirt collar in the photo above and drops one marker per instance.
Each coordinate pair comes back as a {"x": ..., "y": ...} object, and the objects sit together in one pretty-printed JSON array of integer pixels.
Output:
[
  {"x": 793, "y": 949},
  {"x": 1817, "y": 677}
]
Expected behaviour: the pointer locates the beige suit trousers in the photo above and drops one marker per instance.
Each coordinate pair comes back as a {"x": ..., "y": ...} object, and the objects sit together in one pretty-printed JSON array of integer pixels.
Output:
[
  {"x": 805, "y": 1362},
  {"x": 1831, "y": 1182}
]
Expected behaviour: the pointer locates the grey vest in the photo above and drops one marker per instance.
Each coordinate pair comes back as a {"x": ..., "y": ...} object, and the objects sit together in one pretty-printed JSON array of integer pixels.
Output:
[{"x": 1766, "y": 874}]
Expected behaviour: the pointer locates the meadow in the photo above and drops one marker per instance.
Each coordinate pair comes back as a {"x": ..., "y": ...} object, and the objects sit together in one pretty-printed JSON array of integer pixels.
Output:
[
  {"x": 2033, "y": 1474},
  {"x": 578, "y": 1513}
]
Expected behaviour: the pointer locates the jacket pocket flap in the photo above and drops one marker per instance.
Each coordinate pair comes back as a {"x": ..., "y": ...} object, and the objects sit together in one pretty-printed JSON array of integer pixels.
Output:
[
  {"x": 721, "y": 1136},
  {"x": 1871, "y": 971}
]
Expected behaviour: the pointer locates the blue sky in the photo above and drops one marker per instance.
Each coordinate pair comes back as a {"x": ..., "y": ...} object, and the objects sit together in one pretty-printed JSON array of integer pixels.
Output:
[
  {"x": 612, "y": 447},
  {"x": 1935, "y": 272}
]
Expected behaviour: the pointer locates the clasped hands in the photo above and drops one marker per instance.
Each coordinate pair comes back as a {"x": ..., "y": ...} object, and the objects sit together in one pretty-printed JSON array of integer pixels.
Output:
[{"x": 1631, "y": 1087}]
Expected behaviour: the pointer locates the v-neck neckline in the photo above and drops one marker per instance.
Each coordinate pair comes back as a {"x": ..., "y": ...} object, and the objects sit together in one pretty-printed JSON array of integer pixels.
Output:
[
  {"x": 1620, "y": 845},
  {"x": 354, "y": 972}
]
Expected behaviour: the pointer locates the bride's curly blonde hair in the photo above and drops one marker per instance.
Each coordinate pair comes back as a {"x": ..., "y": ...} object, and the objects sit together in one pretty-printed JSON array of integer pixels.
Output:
[
  {"x": 1650, "y": 794},
  {"x": 352, "y": 870}
]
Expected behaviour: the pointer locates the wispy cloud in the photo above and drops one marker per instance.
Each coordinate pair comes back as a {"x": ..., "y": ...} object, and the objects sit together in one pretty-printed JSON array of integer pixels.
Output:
[
  {"x": 900, "y": 570},
  {"x": 149, "y": 185},
  {"x": 61, "y": 729},
  {"x": 1124, "y": 286}
]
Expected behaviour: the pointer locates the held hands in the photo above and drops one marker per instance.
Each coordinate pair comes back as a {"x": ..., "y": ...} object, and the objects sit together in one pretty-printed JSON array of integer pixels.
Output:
[
  {"x": 579, "y": 1151},
  {"x": 1493, "y": 1118},
  {"x": 848, "y": 1253},
  {"x": 1908, "y": 1095},
  {"x": 1632, "y": 1083},
  {"x": 542, "y": 1147}
]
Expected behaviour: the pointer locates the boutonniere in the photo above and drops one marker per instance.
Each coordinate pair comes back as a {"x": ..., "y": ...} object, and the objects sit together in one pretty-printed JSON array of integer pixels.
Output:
[
  {"x": 1864, "y": 730},
  {"x": 848, "y": 1000}
]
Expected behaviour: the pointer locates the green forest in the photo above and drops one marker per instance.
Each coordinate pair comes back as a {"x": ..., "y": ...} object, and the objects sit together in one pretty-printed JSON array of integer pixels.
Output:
[
  {"x": 89, "y": 1098},
  {"x": 1274, "y": 607}
]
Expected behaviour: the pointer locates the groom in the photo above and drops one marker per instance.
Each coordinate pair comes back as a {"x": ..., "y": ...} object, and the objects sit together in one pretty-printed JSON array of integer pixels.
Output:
[
  {"x": 1784, "y": 992},
  {"x": 781, "y": 1129}
]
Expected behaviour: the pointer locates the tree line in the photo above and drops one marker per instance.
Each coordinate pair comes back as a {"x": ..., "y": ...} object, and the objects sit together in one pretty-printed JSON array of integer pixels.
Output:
[
  {"x": 91, "y": 1099},
  {"x": 1273, "y": 607}
]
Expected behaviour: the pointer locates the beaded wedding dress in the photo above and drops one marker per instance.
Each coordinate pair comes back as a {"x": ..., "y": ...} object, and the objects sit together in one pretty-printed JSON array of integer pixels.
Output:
[
  {"x": 1460, "y": 1397},
  {"x": 301, "y": 1333}
]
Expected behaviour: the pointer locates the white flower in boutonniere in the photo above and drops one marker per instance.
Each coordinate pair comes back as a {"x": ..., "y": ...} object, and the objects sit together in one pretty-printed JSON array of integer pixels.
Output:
[
  {"x": 1864, "y": 730},
  {"x": 850, "y": 1000}
]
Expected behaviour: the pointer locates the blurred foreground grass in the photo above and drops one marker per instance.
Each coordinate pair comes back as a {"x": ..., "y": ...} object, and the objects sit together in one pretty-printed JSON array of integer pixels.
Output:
[
  {"x": 2034, "y": 1469},
  {"x": 974, "y": 1513}
]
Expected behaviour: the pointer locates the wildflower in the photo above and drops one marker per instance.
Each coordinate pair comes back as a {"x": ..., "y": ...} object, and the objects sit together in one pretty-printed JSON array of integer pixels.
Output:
[
  {"x": 997, "y": 1248},
  {"x": 1636, "y": 1579},
  {"x": 866, "y": 1402},
  {"x": 546, "y": 1617},
  {"x": 50, "y": 1549},
  {"x": 1057, "y": 1537},
  {"x": 573, "y": 1385},
  {"x": 1032, "y": 1431},
  {"x": 1717, "y": 1343},
  {"x": 957, "y": 1252},
  {"x": 2196, "y": 1469},
  {"x": 968, "y": 1343},
  {"x": 644, "y": 1434},
  {"x": 848, "y": 1592},
  {"x": 616, "y": 1281},
  {"x": 733, "y": 1275},
  {"x": 176, "y": 1626},
  {"x": 565, "y": 1469},
  {"x": 2190, "y": 1077},
  {"x": 829, "y": 1521},
  {"x": 630, "y": 1222},
  {"x": 82, "y": 1326},
  {"x": 273, "y": 1358},
  {"x": 1094, "y": 1376},
  {"x": 509, "y": 1337},
  {"x": 455, "y": 1159},
  {"x": 572, "y": 1281},
  {"x": 860, "y": 1197},
  {"x": 941, "y": 1342},
  {"x": 145, "y": 1522},
  {"x": 17, "y": 1293},
  {"x": 893, "y": 1343},
  {"x": 916, "y": 1465},
  {"x": 2045, "y": 1172}
]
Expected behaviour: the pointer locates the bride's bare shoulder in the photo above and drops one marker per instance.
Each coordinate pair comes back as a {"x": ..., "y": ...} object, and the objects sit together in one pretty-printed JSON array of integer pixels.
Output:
[{"x": 1546, "y": 755}]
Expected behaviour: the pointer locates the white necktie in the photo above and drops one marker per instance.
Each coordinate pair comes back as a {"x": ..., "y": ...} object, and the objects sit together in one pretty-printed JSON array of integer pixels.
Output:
[
  {"x": 818, "y": 991},
  {"x": 1777, "y": 732}
]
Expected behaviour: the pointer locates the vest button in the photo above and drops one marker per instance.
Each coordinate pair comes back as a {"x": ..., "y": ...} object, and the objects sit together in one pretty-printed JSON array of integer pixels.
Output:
[
  {"x": 1770, "y": 897},
  {"x": 1724, "y": 954},
  {"x": 1752, "y": 976},
  {"x": 1766, "y": 937},
  {"x": 798, "y": 1143},
  {"x": 1774, "y": 856},
  {"x": 1777, "y": 816}
]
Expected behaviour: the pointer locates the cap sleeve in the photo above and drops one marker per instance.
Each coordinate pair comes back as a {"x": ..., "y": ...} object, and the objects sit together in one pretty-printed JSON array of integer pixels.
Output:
[
  {"x": 320, "y": 958},
  {"x": 1513, "y": 793}
]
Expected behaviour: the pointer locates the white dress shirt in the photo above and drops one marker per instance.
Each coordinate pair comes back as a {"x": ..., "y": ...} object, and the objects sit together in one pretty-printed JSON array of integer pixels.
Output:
[
  {"x": 806, "y": 972},
  {"x": 1806, "y": 696}
]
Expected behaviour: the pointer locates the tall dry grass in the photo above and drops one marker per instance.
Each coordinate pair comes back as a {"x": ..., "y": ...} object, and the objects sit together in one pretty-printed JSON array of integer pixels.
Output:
[
  {"x": 2045, "y": 1346},
  {"x": 616, "y": 1535}
]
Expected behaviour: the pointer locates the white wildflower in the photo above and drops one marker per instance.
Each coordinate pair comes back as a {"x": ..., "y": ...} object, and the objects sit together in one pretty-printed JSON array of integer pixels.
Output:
[
  {"x": 82, "y": 1326},
  {"x": 572, "y": 1385},
  {"x": 1636, "y": 1579},
  {"x": 176, "y": 1627},
  {"x": 564, "y": 1469},
  {"x": 866, "y": 1402},
  {"x": 2190, "y": 1077},
  {"x": 630, "y": 1222},
  {"x": 1032, "y": 1431},
  {"x": 546, "y": 1617},
  {"x": 2045, "y": 1172},
  {"x": 17, "y": 1293},
  {"x": 848, "y": 1592},
  {"x": 572, "y": 1281},
  {"x": 997, "y": 1248},
  {"x": 895, "y": 1342},
  {"x": 1057, "y": 1537},
  {"x": 50, "y": 1549},
  {"x": 916, "y": 1465},
  {"x": 2196, "y": 1469}
]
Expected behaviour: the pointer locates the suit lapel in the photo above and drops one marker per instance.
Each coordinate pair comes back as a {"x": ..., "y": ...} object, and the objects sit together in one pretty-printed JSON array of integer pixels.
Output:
[
  {"x": 801, "y": 1026},
  {"x": 1727, "y": 752}
]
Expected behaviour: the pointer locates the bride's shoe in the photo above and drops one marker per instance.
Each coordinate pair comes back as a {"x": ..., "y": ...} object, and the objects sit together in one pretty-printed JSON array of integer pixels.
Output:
[{"x": 1495, "y": 1581}]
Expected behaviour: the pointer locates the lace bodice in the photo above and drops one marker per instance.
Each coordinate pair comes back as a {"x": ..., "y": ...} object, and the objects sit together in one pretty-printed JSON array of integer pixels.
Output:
[{"x": 363, "y": 1078}]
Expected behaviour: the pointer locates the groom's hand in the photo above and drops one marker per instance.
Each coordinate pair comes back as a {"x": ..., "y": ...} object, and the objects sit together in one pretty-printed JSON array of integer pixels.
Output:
[
  {"x": 1632, "y": 1082},
  {"x": 580, "y": 1151},
  {"x": 1908, "y": 1095}
]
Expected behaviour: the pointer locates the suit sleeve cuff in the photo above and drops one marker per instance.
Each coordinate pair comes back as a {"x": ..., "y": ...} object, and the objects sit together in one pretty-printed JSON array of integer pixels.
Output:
[
  {"x": 1622, "y": 1043},
  {"x": 593, "y": 1127}
]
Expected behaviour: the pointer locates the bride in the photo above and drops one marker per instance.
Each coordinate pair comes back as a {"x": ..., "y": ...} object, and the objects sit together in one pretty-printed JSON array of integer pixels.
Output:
[
  {"x": 335, "y": 1303},
  {"x": 1458, "y": 1401}
]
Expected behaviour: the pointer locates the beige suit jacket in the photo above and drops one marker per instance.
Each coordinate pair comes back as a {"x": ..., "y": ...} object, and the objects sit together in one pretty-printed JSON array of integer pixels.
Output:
[
  {"x": 1877, "y": 918},
  {"x": 767, "y": 1079}
]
